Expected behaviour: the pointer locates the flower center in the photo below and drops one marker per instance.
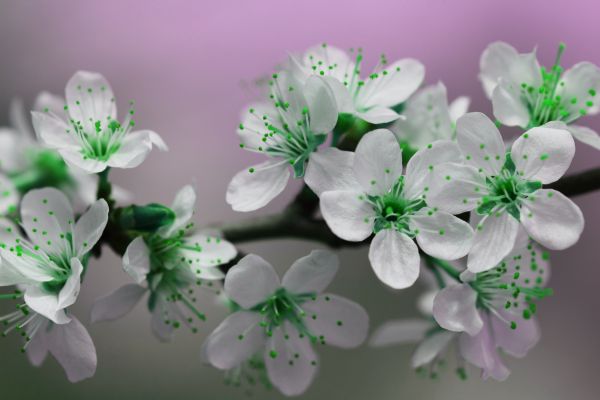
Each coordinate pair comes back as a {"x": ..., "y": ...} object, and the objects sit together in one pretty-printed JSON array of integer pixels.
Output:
[
  {"x": 545, "y": 102},
  {"x": 104, "y": 139},
  {"x": 284, "y": 306},
  {"x": 515, "y": 285},
  {"x": 47, "y": 169},
  {"x": 507, "y": 190},
  {"x": 393, "y": 210}
]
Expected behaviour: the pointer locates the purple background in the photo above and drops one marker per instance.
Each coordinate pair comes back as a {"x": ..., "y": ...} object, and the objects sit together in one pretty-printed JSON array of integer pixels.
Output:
[{"x": 190, "y": 68}]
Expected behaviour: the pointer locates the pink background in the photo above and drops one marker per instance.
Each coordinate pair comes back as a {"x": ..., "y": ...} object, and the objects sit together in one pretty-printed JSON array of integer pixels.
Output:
[{"x": 189, "y": 66}]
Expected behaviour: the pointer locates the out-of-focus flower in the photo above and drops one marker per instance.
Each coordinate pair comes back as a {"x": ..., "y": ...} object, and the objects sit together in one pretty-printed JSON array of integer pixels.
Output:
[
  {"x": 495, "y": 309},
  {"x": 428, "y": 118},
  {"x": 505, "y": 188},
  {"x": 527, "y": 95},
  {"x": 90, "y": 137},
  {"x": 288, "y": 131},
  {"x": 370, "y": 98},
  {"x": 168, "y": 263},
  {"x": 280, "y": 321},
  {"x": 49, "y": 263},
  {"x": 365, "y": 192}
]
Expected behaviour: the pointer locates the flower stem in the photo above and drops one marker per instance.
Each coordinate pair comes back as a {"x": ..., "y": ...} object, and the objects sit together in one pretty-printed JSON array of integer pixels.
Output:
[
  {"x": 444, "y": 266},
  {"x": 105, "y": 187}
]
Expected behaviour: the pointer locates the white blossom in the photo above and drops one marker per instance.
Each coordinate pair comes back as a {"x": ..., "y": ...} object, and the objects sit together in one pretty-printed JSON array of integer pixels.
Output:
[
  {"x": 287, "y": 130},
  {"x": 527, "y": 95},
  {"x": 90, "y": 137},
  {"x": 167, "y": 264},
  {"x": 280, "y": 321},
  {"x": 365, "y": 193},
  {"x": 505, "y": 188},
  {"x": 48, "y": 263},
  {"x": 370, "y": 98}
]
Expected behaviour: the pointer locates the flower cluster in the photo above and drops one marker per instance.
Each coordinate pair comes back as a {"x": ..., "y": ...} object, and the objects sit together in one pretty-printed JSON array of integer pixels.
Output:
[{"x": 434, "y": 190}]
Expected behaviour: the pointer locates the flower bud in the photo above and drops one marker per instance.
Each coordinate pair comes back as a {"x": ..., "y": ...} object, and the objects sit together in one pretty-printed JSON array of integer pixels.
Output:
[{"x": 148, "y": 218}]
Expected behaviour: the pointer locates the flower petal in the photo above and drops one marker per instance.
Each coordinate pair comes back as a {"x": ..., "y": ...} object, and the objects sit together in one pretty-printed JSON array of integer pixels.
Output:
[
  {"x": 134, "y": 149},
  {"x": 74, "y": 350},
  {"x": 502, "y": 61},
  {"x": 427, "y": 118},
  {"x": 421, "y": 166},
  {"x": 585, "y": 135},
  {"x": 53, "y": 132},
  {"x": 252, "y": 130},
  {"x": 516, "y": 342},
  {"x": 509, "y": 107},
  {"x": 90, "y": 99},
  {"x": 480, "y": 350},
  {"x": 543, "y": 154},
  {"x": 291, "y": 363},
  {"x": 69, "y": 292},
  {"x": 459, "y": 107},
  {"x": 337, "y": 321},
  {"x": 249, "y": 191},
  {"x": 47, "y": 217},
  {"x": 312, "y": 273},
  {"x": 431, "y": 347},
  {"x": 37, "y": 349},
  {"x": 328, "y": 61},
  {"x": 480, "y": 142},
  {"x": 235, "y": 340},
  {"x": 400, "y": 332},
  {"x": 89, "y": 227},
  {"x": 581, "y": 82},
  {"x": 394, "y": 258},
  {"x": 330, "y": 169},
  {"x": 454, "y": 309},
  {"x": 393, "y": 85},
  {"x": 378, "y": 161},
  {"x": 183, "y": 206},
  {"x": 322, "y": 107},
  {"x": 552, "y": 219},
  {"x": 378, "y": 115},
  {"x": 494, "y": 238},
  {"x": 348, "y": 214},
  {"x": 46, "y": 304},
  {"x": 207, "y": 251},
  {"x": 76, "y": 160},
  {"x": 456, "y": 188},
  {"x": 117, "y": 304},
  {"x": 442, "y": 235},
  {"x": 251, "y": 281},
  {"x": 136, "y": 260}
]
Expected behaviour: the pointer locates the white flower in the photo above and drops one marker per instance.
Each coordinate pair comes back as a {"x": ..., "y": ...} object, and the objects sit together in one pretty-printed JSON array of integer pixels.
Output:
[
  {"x": 288, "y": 131},
  {"x": 90, "y": 137},
  {"x": 365, "y": 193},
  {"x": 525, "y": 95},
  {"x": 505, "y": 188},
  {"x": 168, "y": 264},
  {"x": 495, "y": 309},
  {"x": 370, "y": 98},
  {"x": 428, "y": 118},
  {"x": 280, "y": 321},
  {"x": 26, "y": 164},
  {"x": 49, "y": 263}
]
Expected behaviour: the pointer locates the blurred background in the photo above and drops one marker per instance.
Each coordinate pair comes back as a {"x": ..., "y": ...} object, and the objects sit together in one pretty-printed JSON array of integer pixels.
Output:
[{"x": 191, "y": 66}]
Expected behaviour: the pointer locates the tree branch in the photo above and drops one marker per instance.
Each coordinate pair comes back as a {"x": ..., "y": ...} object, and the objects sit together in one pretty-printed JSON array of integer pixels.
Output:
[{"x": 576, "y": 184}]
